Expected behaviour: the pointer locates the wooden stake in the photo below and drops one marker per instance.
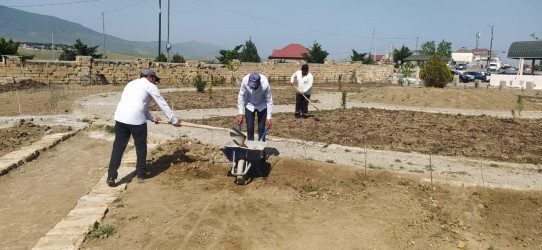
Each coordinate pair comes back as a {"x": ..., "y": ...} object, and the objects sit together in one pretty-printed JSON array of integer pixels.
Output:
[
  {"x": 431, "y": 170},
  {"x": 19, "y": 101},
  {"x": 365, "y": 181}
]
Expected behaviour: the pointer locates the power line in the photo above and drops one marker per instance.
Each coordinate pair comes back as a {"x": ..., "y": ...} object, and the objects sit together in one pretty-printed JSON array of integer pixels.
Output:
[
  {"x": 52, "y": 4},
  {"x": 126, "y": 6},
  {"x": 283, "y": 24}
]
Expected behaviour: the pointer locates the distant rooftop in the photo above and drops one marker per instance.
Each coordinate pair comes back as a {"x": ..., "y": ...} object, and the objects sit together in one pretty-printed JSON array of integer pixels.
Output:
[{"x": 293, "y": 51}]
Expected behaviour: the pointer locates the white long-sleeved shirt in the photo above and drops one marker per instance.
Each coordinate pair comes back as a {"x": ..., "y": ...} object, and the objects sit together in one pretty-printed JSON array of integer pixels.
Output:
[
  {"x": 258, "y": 99},
  {"x": 304, "y": 83},
  {"x": 132, "y": 108}
]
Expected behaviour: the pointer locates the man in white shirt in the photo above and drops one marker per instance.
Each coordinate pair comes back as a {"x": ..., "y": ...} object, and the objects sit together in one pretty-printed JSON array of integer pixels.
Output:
[
  {"x": 131, "y": 120},
  {"x": 304, "y": 88},
  {"x": 255, "y": 99}
]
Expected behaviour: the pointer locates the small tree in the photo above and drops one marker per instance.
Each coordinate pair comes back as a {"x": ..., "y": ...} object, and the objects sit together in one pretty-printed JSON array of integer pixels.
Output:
[
  {"x": 400, "y": 55},
  {"x": 249, "y": 53},
  {"x": 428, "y": 48},
  {"x": 445, "y": 49},
  {"x": 316, "y": 54},
  {"x": 8, "y": 48},
  {"x": 406, "y": 70},
  {"x": 361, "y": 57},
  {"x": 162, "y": 58},
  {"x": 436, "y": 73},
  {"x": 200, "y": 84},
  {"x": 226, "y": 56},
  {"x": 177, "y": 58},
  {"x": 79, "y": 49}
]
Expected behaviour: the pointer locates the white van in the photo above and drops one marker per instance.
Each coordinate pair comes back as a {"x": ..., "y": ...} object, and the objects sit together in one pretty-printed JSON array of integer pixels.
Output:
[{"x": 494, "y": 67}]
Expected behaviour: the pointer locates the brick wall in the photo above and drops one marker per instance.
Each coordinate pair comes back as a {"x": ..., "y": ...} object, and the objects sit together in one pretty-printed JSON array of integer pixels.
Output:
[{"x": 84, "y": 69}]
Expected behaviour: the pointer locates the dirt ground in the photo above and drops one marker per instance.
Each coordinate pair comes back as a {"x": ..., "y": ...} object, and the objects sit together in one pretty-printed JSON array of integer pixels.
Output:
[
  {"x": 25, "y": 133},
  {"x": 190, "y": 202}
]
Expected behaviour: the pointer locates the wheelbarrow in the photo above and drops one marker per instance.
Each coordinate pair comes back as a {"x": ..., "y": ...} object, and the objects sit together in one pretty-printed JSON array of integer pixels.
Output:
[{"x": 244, "y": 158}]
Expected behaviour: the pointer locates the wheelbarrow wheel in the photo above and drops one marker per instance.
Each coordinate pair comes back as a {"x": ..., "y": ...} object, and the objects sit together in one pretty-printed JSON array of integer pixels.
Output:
[{"x": 240, "y": 179}]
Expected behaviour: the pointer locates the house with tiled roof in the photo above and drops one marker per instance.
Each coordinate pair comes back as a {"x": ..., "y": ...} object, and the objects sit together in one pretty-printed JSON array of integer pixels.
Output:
[
  {"x": 463, "y": 55},
  {"x": 480, "y": 55},
  {"x": 292, "y": 52}
]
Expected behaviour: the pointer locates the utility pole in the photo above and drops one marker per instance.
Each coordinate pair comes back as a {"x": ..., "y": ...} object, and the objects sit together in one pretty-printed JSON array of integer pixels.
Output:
[
  {"x": 103, "y": 33},
  {"x": 477, "y": 38},
  {"x": 53, "y": 45},
  {"x": 490, "y": 47},
  {"x": 159, "y": 27},
  {"x": 168, "y": 45},
  {"x": 392, "y": 52},
  {"x": 417, "y": 45},
  {"x": 371, "y": 50}
]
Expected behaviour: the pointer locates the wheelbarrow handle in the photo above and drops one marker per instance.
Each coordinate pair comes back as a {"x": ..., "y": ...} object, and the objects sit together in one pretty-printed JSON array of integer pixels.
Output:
[
  {"x": 264, "y": 132},
  {"x": 240, "y": 126}
]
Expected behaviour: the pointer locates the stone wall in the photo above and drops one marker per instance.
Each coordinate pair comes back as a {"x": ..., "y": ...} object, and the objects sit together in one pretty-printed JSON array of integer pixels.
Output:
[{"x": 85, "y": 69}]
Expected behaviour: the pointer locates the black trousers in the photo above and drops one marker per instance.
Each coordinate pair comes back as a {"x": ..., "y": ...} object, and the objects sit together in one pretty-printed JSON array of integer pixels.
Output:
[
  {"x": 301, "y": 104},
  {"x": 122, "y": 135},
  {"x": 249, "y": 117}
]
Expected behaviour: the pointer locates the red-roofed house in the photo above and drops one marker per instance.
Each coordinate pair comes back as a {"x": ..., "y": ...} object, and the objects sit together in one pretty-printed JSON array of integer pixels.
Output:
[{"x": 293, "y": 51}]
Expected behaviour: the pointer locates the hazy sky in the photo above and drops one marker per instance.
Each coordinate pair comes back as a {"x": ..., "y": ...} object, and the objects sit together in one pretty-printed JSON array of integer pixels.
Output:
[{"x": 338, "y": 26}]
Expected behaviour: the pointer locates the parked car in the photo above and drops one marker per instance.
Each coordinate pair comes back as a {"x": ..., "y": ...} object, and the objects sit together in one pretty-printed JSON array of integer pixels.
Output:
[
  {"x": 461, "y": 66},
  {"x": 487, "y": 76},
  {"x": 463, "y": 77},
  {"x": 471, "y": 75},
  {"x": 479, "y": 76}
]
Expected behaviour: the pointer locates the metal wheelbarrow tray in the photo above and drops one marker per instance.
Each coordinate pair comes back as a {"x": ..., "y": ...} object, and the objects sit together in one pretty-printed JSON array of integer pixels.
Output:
[{"x": 243, "y": 158}]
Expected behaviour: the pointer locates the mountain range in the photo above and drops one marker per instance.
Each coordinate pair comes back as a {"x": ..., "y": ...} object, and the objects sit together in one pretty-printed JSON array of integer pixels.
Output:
[{"x": 25, "y": 26}]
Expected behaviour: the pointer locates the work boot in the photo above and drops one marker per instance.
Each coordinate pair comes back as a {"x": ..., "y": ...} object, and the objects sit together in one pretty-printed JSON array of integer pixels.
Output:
[
  {"x": 142, "y": 178},
  {"x": 110, "y": 182}
]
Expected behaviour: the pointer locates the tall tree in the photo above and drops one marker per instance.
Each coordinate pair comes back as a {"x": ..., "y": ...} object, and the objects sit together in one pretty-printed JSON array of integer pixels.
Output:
[
  {"x": 445, "y": 48},
  {"x": 249, "y": 52},
  {"x": 79, "y": 49},
  {"x": 428, "y": 48},
  {"x": 316, "y": 54},
  {"x": 226, "y": 56},
  {"x": 400, "y": 55},
  {"x": 8, "y": 48},
  {"x": 361, "y": 57}
]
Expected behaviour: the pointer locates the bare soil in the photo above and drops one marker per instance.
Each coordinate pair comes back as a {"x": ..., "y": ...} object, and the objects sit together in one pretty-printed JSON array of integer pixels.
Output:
[
  {"x": 191, "y": 202},
  {"x": 25, "y": 133}
]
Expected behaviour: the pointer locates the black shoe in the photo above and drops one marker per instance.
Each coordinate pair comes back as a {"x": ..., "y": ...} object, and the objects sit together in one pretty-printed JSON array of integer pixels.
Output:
[
  {"x": 297, "y": 115},
  {"x": 305, "y": 116},
  {"x": 142, "y": 178},
  {"x": 110, "y": 182}
]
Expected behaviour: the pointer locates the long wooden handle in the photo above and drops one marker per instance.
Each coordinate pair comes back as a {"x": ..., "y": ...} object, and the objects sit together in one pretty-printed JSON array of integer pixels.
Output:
[
  {"x": 308, "y": 100},
  {"x": 194, "y": 125}
]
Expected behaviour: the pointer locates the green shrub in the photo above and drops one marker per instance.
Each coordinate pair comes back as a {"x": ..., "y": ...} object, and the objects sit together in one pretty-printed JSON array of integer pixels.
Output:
[
  {"x": 436, "y": 73},
  {"x": 200, "y": 84}
]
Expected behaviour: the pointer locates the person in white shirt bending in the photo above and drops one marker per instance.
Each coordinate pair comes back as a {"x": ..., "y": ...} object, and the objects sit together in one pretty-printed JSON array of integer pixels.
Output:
[
  {"x": 131, "y": 120},
  {"x": 304, "y": 88},
  {"x": 255, "y": 99}
]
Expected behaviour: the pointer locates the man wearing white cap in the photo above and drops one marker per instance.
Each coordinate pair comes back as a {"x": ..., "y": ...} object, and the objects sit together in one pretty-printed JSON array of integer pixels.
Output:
[
  {"x": 131, "y": 120},
  {"x": 255, "y": 99}
]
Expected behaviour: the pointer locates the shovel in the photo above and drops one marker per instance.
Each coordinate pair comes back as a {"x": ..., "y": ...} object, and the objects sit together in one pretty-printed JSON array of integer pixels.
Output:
[
  {"x": 237, "y": 136},
  {"x": 308, "y": 100}
]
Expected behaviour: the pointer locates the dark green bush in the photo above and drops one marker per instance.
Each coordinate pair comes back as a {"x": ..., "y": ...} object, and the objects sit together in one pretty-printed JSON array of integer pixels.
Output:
[
  {"x": 436, "y": 73},
  {"x": 200, "y": 84}
]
